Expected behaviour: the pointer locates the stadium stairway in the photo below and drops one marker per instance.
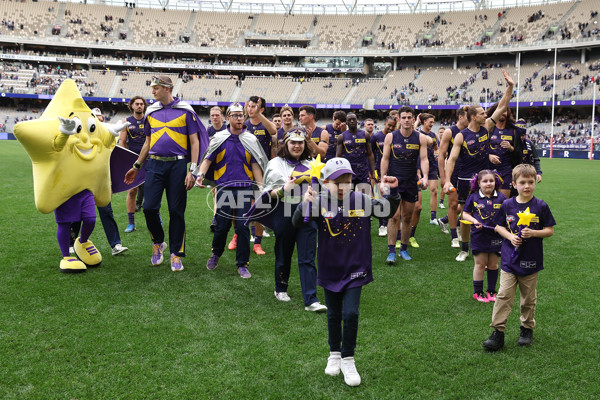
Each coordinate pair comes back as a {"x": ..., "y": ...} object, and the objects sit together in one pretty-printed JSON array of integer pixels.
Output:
[
  {"x": 349, "y": 95},
  {"x": 115, "y": 85},
  {"x": 189, "y": 29},
  {"x": 60, "y": 17},
  {"x": 178, "y": 84},
  {"x": 374, "y": 30},
  {"x": 125, "y": 27},
  {"x": 563, "y": 19},
  {"x": 235, "y": 94},
  {"x": 496, "y": 28},
  {"x": 295, "y": 93},
  {"x": 432, "y": 32}
]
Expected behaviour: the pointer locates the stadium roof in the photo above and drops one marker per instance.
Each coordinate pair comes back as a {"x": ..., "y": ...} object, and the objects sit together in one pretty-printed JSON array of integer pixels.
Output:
[{"x": 329, "y": 6}]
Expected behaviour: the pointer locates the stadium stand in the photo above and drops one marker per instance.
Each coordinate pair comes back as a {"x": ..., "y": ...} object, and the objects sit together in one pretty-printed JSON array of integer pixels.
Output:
[
  {"x": 26, "y": 19},
  {"x": 220, "y": 29},
  {"x": 204, "y": 88},
  {"x": 274, "y": 90},
  {"x": 330, "y": 90},
  {"x": 92, "y": 22},
  {"x": 342, "y": 32}
]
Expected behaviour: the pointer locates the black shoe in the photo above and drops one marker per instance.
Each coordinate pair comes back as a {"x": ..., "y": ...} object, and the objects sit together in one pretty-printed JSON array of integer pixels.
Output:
[
  {"x": 138, "y": 207},
  {"x": 526, "y": 337},
  {"x": 213, "y": 224},
  {"x": 495, "y": 342}
]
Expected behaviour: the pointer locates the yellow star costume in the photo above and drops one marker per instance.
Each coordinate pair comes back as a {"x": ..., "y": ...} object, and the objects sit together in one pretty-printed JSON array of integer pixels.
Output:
[{"x": 70, "y": 151}]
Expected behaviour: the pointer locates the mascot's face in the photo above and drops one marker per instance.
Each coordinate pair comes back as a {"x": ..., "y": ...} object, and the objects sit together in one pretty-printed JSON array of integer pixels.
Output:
[{"x": 86, "y": 143}]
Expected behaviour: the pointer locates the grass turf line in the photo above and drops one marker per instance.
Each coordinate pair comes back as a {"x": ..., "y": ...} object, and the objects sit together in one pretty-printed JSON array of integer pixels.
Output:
[{"x": 129, "y": 330}]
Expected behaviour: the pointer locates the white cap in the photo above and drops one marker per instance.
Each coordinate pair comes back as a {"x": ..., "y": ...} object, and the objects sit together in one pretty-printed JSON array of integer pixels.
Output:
[
  {"x": 336, "y": 167},
  {"x": 96, "y": 111}
]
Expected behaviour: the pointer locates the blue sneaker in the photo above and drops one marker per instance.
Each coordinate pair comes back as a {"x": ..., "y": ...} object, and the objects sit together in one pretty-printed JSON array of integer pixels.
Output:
[
  {"x": 391, "y": 259},
  {"x": 130, "y": 228},
  {"x": 404, "y": 255}
]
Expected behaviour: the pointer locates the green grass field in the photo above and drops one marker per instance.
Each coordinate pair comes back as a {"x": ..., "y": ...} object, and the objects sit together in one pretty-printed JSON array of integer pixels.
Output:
[{"x": 128, "y": 330}]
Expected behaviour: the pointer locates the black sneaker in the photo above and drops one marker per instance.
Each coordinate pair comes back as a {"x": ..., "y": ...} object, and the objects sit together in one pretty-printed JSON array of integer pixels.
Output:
[
  {"x": 495, "y": 342},
  {"x": 526, "y": 337},
  {"x": 138, "y": 207}
]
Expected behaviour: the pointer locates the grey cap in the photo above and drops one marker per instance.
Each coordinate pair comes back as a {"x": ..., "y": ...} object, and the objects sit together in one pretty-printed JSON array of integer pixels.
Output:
[{"x": 336, "y": 167}]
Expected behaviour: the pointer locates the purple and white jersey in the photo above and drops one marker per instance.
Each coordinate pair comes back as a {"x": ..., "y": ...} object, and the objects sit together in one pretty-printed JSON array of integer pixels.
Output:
[
  {"x": 280, "y": 135},
  {"x": 498, "y": 135},
  {"x": 483, "y": 209},
  {"x": 529, "y": 257},
  {"x": 474, "y": 152},
  {"x": 344, "y": 254},
  {"x": 135, "y": 134},
  {"x": 454, "y": 129},
  {"x": 355, "y": 151},
  {"x": 430, "y": 149},
  {"x": 263, "y": 136},
  {"x": 404, "y": 153},
  {"x": 169, "y": 129},
  {"x": 333, "y": 136}
]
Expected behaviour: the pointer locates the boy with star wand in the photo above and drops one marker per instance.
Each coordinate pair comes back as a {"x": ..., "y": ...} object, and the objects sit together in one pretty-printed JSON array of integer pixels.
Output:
[
  {"x": 522, "y": 268},
  {"x": 344, "y": 224}
]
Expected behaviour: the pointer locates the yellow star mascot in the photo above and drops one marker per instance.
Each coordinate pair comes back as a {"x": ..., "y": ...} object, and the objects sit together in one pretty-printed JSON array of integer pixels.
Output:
[{"x": 70, "y": 151}]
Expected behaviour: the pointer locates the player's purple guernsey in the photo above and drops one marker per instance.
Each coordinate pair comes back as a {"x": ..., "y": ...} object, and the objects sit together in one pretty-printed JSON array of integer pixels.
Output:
[
  {"x": 404, "y": 154},
  {"x": 377, "y": 147},
  {"x": 351, "y": 264},
  {"x": 454, "y": 178},
  {"x": 433, "y": 165},
  {"x": 212, "y": 130},
  {"x": 169, "y": 128},
  {"x": 280, "y": 135},
  {"x": 355, "y": 151},
  {"x": 498, "y": 135},
  {"x": 135, "y": 134},
  {"x": 232, "y": 164},
  {"x": 333, "y": 135},
  {"x": 474, "y": 152},
  {"x": 483, "y": 209},
  {"x": 263, "y": 136},
  {"x": 529, "y": 257}
]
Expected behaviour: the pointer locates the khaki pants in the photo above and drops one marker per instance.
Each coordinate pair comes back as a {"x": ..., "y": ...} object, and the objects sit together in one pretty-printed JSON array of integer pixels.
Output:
[{"x": 505, "y": 299}]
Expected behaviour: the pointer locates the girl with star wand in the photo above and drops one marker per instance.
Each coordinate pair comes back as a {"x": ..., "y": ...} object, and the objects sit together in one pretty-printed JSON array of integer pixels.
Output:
[
  {"x": 480, "y": 208},
  {"x": 344, "y": 254}
]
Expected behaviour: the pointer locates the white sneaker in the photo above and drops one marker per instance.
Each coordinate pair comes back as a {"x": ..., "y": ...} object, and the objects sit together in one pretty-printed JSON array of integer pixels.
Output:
[
  {"x": 71, "y": 250},
  {"x": 382, "y": 231},
  {"x": 334, "y": 363},
  {"x": 266, "y": 234},
  {"x": 455, "y": 243},
  {"x": 442, "y": 206},
  {"x": 118, "y": 249},
  {"x": 443, "y": 226},
  {"x": 351, "y": 376},
  {"x": 282, "y": 296},
  {"x": 252, "y": 238},
  {"x": 316, "y": 307},
  {"x": 433, "y": 221},
  {"x": 462, "y": 256}
]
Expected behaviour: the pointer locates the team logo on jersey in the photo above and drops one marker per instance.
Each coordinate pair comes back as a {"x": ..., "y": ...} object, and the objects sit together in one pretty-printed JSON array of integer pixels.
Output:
[
  {"x": 358, "y": 275},
  {"x": 413, "y": 146},
  {"x": 497, "y": 242},
  {"x": 510, "y": 218},
  {"x": 397, "y": 146},
  {"x": 479, "y": 206},
  {"x": 470, "y": 142},
  {"x": 328, "y": 214},
  {"x": 360, "y": 141},
  {"x": 489, "y": 202},
  {"x": 494, "y": 137},
  {"x": 528, "y": 264},
  {"x": 506, "y": 137},
  {"x": 483, "y": 138},
  {"x": 347, "y": 141},
  {"x": 259, "y": 132}
]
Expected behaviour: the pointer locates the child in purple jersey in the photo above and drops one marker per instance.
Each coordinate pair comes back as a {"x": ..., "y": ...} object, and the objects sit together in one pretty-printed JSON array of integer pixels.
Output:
[
  {"x": 480, "y": 208},
  {"x": 522, "y": 256},
  {"x": 344, "y": 256}
]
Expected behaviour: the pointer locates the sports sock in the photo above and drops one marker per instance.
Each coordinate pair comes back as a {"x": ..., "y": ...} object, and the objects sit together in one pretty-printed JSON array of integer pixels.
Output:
[
  {"x": 412, "y": 231},
  {"x": 477, "y": 286},
  {"x": 492, "y": 279},
  {"x": 398, "y": 235},
  {"x": 253, "y": 230},
  {"x": 464, "y": 246},
  {"x": 131, "y": 217},
  {"x": 391, "y": 248},
  {"x": 453, "y": 233},
  {"x": 433, "y": 215},
  {"x": 444, "y": 219},
  {"x": 257, "y": 240},
  {"x": 403, "y": 247}
]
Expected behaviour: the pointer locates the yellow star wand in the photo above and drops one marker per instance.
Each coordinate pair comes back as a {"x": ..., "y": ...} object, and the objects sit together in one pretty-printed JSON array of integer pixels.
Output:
[
  {"x": 525, "y": 218},
  {"x": 316, "y": 166}
]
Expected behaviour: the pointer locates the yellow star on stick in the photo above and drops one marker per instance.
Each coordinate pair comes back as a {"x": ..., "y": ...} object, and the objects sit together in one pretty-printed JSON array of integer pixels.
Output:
[
  {"x": 315, "y": 167},
  {"x": 525, "y": 217},
  {"x": 66, "y": 164}
]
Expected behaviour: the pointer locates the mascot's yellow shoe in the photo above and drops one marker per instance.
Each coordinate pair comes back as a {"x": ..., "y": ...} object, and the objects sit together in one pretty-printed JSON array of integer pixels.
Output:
[
  {"x": 88, "y": 253},
  {"x": 71, "y": 265}
]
